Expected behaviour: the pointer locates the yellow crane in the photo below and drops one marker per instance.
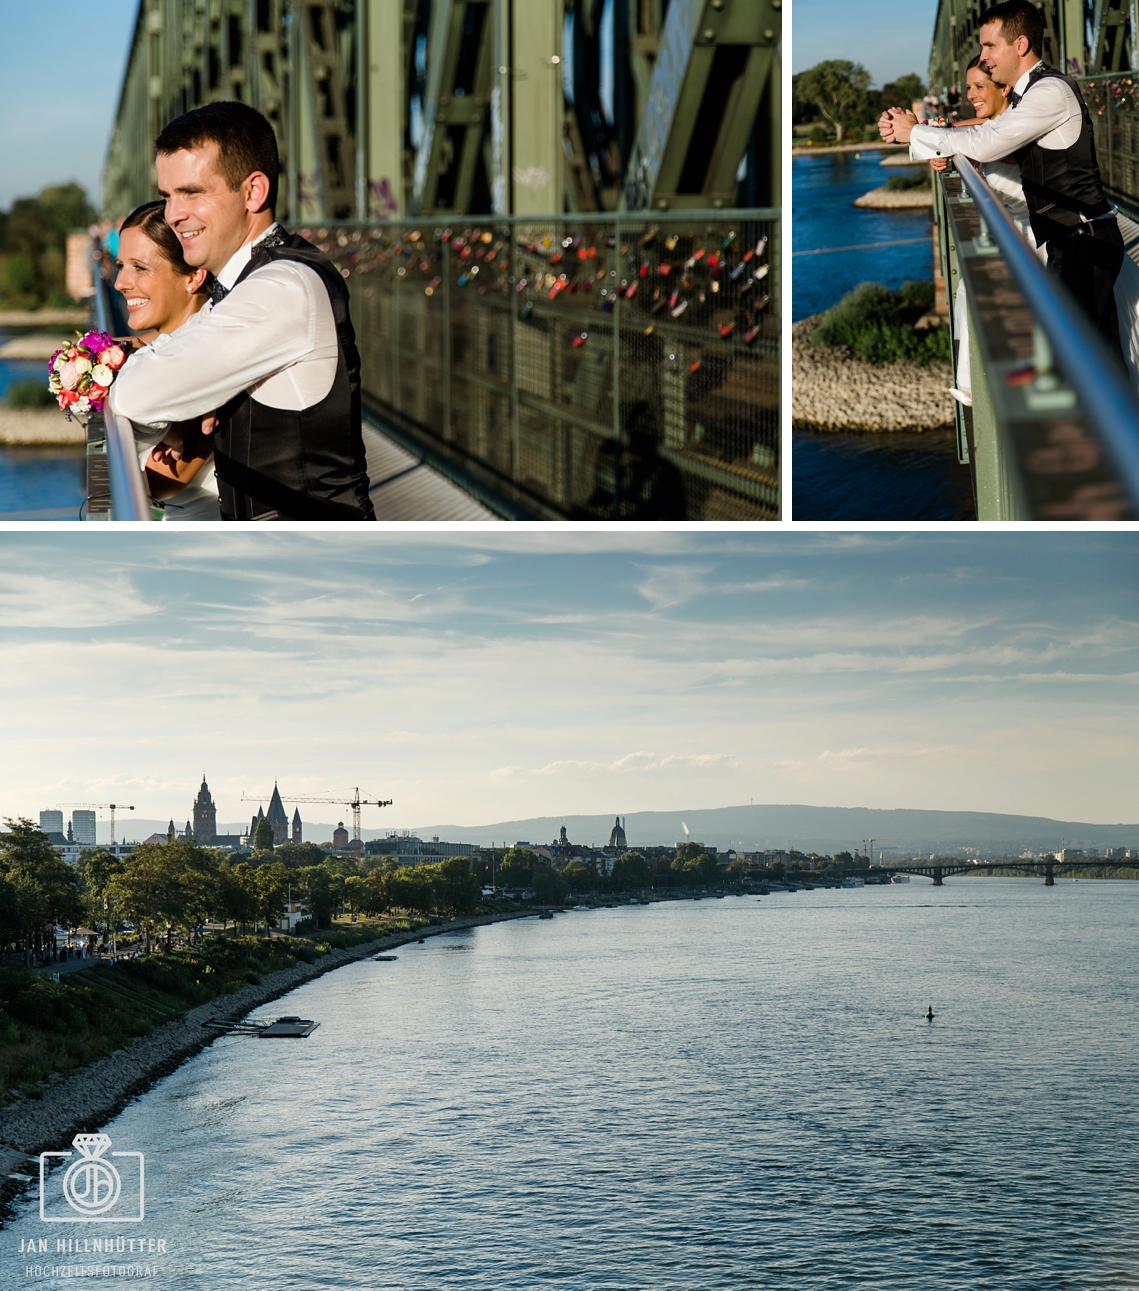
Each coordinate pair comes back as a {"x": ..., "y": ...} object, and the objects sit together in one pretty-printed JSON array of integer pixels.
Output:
[{"x": 355, "y": 803}]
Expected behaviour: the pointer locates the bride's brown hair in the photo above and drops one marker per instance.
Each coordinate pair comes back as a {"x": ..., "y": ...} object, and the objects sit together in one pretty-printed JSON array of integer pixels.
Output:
[{"x": 150, "y": 217}]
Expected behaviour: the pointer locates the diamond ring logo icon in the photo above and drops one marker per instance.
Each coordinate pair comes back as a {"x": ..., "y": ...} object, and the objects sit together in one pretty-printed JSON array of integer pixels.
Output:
[
  {"x": 91, "y": 1185},
  {"x": 94, "y": 1189}
]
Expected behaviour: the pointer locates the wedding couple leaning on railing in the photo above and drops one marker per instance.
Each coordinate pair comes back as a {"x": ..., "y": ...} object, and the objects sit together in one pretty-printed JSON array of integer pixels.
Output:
[
  {"x": 1032, "y": 141},
  {"x": 243, "y": 381}
]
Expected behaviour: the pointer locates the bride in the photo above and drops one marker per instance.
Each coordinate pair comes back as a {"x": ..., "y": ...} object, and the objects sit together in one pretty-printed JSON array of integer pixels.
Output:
[
  {"x": 162, "y": 293},
  {"x": 989, "y": 100}
]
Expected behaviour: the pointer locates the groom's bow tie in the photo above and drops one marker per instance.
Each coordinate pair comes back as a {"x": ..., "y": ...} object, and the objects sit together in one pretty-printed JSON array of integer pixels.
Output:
[
  {"x": 276, "y": 237},
  {"x": 1014, "y": 98}
]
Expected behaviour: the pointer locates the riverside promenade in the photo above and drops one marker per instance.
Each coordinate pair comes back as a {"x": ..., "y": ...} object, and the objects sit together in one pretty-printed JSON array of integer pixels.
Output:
[{"x": 87, "y": 1100}]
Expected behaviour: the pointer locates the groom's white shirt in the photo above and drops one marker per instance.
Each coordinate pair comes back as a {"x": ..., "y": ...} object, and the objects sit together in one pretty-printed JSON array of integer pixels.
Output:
[
  {"x": 274, "y": 336},
  {"x": 1050, "y": 115}
]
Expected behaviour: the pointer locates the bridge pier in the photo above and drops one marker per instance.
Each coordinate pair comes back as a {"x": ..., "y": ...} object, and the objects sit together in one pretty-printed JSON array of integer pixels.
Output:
[
  {"x": 937, "y": 883},
  {"x": 1049, "y": 877}
]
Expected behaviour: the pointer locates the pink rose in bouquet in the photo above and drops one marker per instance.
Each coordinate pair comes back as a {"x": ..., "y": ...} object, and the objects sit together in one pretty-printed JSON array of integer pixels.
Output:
[{"x": 80, "y": 375}]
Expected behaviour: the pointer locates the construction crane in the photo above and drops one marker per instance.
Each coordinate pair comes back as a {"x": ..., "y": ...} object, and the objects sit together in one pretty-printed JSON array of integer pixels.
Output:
[
  {"x": 355, "y": 802},
  {"x": 99, "y": 806}
]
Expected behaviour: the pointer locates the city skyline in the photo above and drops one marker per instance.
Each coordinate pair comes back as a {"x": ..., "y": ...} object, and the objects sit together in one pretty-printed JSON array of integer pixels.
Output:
[{"x": 479, "y": 677}]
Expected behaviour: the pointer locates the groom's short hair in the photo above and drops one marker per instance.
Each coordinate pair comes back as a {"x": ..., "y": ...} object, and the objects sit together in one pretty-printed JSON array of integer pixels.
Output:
[
  {"x": 245, "y": 140},
  {"x": 1017, "y": 18}
]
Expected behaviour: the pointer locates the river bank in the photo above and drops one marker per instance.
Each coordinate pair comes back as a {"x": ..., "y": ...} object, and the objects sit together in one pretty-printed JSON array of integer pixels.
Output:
[
  {"x": 101, "y": 1089},
  {"x": 835, "y": 391}
]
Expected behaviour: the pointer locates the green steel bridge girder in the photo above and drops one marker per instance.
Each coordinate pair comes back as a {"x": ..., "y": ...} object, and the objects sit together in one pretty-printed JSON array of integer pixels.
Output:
[
  {"x": 343, "y": 86},
  {"x": 1083, "y": 37}
]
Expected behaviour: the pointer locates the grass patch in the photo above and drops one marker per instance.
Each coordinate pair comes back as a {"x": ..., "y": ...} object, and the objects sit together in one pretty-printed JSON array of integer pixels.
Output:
[
  {"x": 908, "y": 181},
  {"x": 877, "y": 325},
  {"x": 30, "y": 394}
]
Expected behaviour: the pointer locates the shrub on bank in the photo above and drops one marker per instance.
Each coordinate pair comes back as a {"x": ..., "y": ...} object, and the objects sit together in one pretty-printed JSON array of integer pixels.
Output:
[
  {"x": 907, "y": 182},
  {"x": 29, "y": 394},
  {"x": 877, "y": 325}
]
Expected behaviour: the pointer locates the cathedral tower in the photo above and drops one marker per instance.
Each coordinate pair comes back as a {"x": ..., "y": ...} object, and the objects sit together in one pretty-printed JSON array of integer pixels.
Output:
[{"x": 205, "y": 816}]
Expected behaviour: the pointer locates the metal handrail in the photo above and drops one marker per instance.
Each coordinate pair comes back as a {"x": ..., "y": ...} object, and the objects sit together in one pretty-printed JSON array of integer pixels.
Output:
[
  {"x": 130, "y": 498},
  {"x": 1099, "y": 383}
]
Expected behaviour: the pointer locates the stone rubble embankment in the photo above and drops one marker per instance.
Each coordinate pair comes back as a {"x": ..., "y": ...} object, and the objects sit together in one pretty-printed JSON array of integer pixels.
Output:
[
  {"x": 833, "y": 390},
  {"x": 100, "y": 1090}
]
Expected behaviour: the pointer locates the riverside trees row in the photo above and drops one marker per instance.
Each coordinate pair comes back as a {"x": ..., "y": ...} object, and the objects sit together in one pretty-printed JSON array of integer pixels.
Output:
[{"x": 175, "y": 888}]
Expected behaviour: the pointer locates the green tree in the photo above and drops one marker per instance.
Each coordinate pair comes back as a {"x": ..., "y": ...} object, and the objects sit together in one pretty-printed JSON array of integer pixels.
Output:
[
  {"x": 322, "y": 893},
  {"x": 357, "y": 894},
  {"x": 237, "y": 893},
  {"x": 516, "y": 867},
  {"x": 903, "y": 92},
  {"x": 548, "y": 887},
  {"x": 45, "y": 890},
  {"x": 272, "y": 881},
  {"x": 297, "y": 856},
  {"x": 379, "y": 899},
  {"x": 838, "y": 89},
  {"x": 457, "y": 889},
  {"x": 262, "y": 840},
  {"x": 412, "y": 888},
  {"x": 21, "y": 277},
  {"x": 695, "y": 866},
  {"x": 579, "y": 877},
  {"x": 167, "y": 886},
  {"x": 630, "y": 872}
]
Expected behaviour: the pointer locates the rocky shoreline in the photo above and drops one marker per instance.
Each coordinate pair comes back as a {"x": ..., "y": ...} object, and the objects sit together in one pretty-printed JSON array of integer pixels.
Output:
[
  {"x": 86, "y": 1101},
  {"x": 33, "y": 427},
  {"x": 833, "y": 390},
  {"x": 892, "y": 199}
]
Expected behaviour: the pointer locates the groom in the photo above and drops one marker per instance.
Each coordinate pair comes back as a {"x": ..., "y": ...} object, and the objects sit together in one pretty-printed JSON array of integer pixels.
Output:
[
  {"x": 273, "y": 353},
  {"x": 1049, "y": 132}
]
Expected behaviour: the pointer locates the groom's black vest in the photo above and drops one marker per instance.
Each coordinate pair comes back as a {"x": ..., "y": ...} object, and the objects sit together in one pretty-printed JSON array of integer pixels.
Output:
[
  {"x": 306, "y": 464},
  {"x": 1061, "y": 185}
]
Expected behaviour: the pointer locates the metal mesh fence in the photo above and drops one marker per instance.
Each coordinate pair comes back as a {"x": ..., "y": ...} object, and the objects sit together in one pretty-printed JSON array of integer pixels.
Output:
[
  {"x": 1112, "y": 104},
  {"x": 581, "y": 367}
]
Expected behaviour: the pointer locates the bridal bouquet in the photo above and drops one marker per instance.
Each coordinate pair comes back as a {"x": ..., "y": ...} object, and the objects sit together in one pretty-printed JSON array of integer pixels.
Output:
[{"x": 80, "y": 374}]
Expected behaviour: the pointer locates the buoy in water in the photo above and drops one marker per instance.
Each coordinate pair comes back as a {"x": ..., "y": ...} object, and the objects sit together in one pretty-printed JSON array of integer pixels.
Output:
[{"x": 929, "y": 1015}]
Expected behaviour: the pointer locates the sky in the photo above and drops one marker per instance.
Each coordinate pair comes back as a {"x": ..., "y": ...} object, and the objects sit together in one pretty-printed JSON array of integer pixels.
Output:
[
  {"x": 476, "y": 677},
  {"x": 887, "y": 39},
  {"x": 59, "y": 89}
]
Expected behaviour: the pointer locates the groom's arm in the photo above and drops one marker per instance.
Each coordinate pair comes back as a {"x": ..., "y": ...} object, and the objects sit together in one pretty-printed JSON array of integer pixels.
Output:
[
  {"x": 264, "y": 325},
  {"x": 1049, "y": 113}
]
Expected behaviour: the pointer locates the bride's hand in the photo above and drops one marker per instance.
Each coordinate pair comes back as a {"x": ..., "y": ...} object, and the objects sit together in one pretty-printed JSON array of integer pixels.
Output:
[{"x": 938, "y": 163}]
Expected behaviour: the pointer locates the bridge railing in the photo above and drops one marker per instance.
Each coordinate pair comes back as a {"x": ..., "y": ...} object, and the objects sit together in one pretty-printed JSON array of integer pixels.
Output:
[
  {"x": 116, "y": 488},
  {"x": 1113, "y": 104},
  {"x": 579, "y": 367},
  {"x": 1053, "y": 432}
]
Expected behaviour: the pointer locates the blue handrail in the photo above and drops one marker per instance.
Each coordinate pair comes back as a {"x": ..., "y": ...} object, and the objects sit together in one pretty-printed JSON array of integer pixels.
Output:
[
  {"x": 130, "y": 499},
  {"x": 1100, "y": 384}
]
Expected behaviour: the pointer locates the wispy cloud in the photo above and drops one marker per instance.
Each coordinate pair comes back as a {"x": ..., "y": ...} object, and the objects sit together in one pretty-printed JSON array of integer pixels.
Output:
[{"x": 491, "y": 675}]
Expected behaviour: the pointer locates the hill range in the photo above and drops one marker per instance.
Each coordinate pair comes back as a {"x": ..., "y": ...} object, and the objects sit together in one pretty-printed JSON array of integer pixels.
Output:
[{"x": 821, "y": 829}]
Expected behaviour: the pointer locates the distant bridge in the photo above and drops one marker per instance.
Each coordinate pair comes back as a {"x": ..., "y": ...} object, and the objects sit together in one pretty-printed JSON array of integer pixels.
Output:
[{"x": 941, "y": 870}]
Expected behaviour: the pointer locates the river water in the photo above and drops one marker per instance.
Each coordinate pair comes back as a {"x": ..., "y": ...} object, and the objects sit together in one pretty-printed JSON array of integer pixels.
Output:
[
  {"x": 742, "y": 1092},
  {"x": 48, "y": 483},
  {"x": 864, "y": 476}
]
